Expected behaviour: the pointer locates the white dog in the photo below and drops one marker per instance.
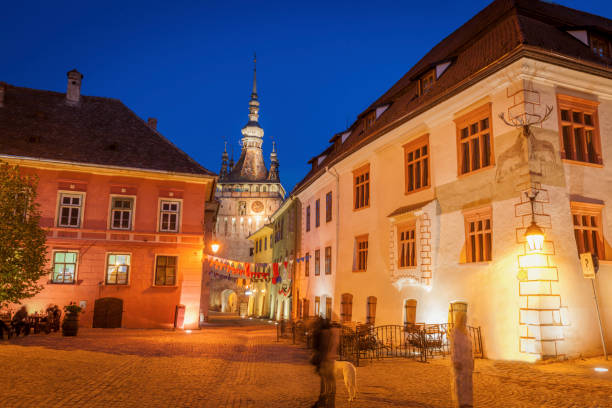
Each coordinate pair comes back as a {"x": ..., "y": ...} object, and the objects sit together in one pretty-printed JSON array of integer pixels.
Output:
[{"x": 350, "y": 377}]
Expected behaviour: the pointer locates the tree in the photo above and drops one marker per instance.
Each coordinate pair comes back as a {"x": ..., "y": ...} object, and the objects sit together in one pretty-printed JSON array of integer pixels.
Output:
[{"x": 23, "y": 253}]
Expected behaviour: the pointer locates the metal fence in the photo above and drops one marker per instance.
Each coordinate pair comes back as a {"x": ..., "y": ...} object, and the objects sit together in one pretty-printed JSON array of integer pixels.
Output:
[{"x": 364, "y": 342}]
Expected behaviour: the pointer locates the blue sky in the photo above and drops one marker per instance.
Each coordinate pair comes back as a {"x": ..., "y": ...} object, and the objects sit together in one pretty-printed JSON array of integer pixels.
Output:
[{"x": 189, "y": 63}]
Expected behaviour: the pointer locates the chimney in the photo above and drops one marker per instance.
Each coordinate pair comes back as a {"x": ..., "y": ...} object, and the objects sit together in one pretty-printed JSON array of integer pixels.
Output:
[
  {"x": 2, "y": 91},
  {"x": 73, "y": 93},
  {"x": 152, "y": 122}
]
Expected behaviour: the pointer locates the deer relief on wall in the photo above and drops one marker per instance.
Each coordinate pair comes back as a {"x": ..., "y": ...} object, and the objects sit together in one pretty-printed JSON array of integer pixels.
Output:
[{"x": 523, "y": 115}]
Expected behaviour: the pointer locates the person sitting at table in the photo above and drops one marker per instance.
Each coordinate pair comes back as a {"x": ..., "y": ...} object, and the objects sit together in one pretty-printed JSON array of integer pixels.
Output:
[
  {"x": 20, "y": 321},
  {"x": 4, "y": 328}
]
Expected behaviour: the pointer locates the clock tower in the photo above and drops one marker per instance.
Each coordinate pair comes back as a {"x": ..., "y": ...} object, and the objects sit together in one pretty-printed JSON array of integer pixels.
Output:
[{"x": 248, "y": 194}]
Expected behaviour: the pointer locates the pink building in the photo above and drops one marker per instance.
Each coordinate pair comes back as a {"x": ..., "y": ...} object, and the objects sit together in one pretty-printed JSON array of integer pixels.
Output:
[{"x": 125, "y": 209}]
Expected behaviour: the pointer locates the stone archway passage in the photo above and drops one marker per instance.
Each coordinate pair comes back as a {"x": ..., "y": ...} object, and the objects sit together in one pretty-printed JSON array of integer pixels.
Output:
[
  {"x": 108, "y": 313},
  {"x": 229, "y": 301}
]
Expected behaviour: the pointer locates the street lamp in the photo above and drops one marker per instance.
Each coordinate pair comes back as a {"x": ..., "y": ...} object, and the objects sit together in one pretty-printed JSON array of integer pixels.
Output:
[
  {"x": 534, "y": 234},
  {"x": 214, "y": 247}
]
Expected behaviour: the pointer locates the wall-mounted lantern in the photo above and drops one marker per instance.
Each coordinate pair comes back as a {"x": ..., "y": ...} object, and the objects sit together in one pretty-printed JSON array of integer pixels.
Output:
[{"x": 534, "y": 234}]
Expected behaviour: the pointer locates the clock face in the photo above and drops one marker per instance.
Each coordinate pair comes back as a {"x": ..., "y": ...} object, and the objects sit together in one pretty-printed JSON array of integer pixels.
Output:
[{"x": 257, "y": 206}]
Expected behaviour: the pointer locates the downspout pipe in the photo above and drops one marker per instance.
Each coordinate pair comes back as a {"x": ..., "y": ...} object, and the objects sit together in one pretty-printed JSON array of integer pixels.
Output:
[{"x": 337, "y": 177}]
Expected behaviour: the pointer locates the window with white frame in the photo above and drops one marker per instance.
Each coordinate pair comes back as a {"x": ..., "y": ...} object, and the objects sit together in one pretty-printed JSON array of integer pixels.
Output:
[
  {"x": 117, "y": 269},
  {"x": 64, "y": 266},
  {"x": 169, "y": 216},
  {"x": 121, "y": 212},
  {"x": 69, "y": 214}
]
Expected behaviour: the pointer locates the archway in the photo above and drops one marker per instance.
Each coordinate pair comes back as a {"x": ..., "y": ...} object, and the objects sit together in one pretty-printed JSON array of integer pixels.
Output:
[{"x": 229, "y": 301}]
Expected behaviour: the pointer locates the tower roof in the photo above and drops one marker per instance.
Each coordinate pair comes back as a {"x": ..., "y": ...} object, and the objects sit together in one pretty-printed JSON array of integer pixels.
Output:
[{"x": 250, "y": 166}]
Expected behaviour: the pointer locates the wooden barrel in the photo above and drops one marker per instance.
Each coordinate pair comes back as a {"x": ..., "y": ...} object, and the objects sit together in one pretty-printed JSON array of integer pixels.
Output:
[{"x": 70, "y": 325}]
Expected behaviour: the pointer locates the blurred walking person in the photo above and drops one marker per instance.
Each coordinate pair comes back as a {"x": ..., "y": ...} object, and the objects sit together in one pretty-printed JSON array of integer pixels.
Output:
[
  {"x": 462, "y": 359},
  {"x": 326, "y": 338}
]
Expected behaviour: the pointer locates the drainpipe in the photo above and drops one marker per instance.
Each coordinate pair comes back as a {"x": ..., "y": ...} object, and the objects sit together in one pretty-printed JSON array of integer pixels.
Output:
[{"x": 337, "y": 177}]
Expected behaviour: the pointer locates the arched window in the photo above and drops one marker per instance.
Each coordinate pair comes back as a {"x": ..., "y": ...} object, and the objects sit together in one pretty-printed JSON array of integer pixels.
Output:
[
  {"x": 371, "y": 310},
  {"x": 264, "y": 189},
  {"x": 256, "y": 189},
  {"x": 410, "y": 312},
  {"x": 346, "y": 308}
]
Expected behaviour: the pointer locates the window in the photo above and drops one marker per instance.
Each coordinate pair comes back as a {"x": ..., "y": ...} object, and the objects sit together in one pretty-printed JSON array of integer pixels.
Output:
[
  {"x": 307, "y": 218},
  {"x": 371, "y": 310},
  {"x": 265, "y": 243},
  {"x": 328, "y": 207},
  {"x": 317, "y": 262},
  {"x": 328, "y": 260},
  {"x": 70, "y": 210},
  {"x": 64, "y": 266},
  {"x": 588, "y": 228},
  {"x": 242, "y": 205},
  {"x": 426, "y": 82},
  {"x": 307, "y": 265},
  {"x": 117, "y": 269},
  {"x": 346, "y": 308},
  {"x": 317, "y": 305},
  {"x": 328, "y": 307},
  {"x": 600, "y": 45},
  {"x": 406, "y": 245},
  {"x": 317, "y": 213},
  {"x": 369, "y": 120},
  {"x": 416, "y": 162},
  {"x": 361, "y": 244},
  {"x": 410, "y": 312},
  {"x": 478, "y": 235},
  {"x": 579, "y": 130},
  {"x": 165, "y": 270},
  {"x": 121, "y": 212},
  {"x": 169, "y": 216},
  {"x": 361, "y": 187},
  {"x": 474, "y": 140}
]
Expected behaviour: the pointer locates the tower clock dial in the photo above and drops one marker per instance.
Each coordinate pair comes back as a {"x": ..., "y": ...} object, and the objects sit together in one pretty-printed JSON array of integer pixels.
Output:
[{"x": 257, "y": 206}]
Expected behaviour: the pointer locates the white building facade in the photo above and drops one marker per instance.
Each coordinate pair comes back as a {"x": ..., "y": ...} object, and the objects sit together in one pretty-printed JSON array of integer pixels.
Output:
[{"x": 433, "y": 194}]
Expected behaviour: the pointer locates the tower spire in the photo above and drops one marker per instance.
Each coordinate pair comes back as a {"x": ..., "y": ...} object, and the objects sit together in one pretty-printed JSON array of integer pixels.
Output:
[
  {"x": 254, "y": 93},
  {"x": 224, "y": 165},
  {"x": 273, "y": 175}
]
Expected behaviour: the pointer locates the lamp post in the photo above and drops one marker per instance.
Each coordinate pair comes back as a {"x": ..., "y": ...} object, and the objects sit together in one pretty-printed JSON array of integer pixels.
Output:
[
  {"x": 534, "y": 234},
  {"x": 214, "y": 248}
]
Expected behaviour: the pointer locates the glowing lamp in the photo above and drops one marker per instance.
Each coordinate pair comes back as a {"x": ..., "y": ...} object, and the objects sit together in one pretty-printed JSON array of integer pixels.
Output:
[
  {"x": 535, "y": 237},
  {"x": 601, "y": 369},
  {"x": 248, "y": 293},
  {"x": 215, "y": 247},
  {"x": 188, "y": 331}
]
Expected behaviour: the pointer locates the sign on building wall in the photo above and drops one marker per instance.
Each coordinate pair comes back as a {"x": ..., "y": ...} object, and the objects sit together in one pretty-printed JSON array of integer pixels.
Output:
[{"x": 588, "y": 269}]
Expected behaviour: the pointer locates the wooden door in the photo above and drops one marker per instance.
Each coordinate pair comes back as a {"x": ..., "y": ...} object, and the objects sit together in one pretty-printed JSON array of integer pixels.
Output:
[
  {"x": 410, "y": 311},
  {"x": 346, "y": 308},
  {"x": 108, "y": 313},
  {"x": 371, "y": 310}
]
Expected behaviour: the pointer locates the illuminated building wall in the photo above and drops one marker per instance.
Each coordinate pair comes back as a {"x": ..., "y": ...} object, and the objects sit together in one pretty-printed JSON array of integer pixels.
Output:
[{"x": 529, "y": 306}]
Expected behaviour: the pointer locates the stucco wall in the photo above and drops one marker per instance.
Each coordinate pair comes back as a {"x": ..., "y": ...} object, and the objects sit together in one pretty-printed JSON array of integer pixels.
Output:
[
  {"x": 144, "y": 305},
  {"x": 491, "y": 289}
]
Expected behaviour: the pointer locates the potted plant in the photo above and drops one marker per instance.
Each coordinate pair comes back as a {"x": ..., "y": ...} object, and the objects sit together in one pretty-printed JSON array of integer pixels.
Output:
[{"x": 70, "y": 325}]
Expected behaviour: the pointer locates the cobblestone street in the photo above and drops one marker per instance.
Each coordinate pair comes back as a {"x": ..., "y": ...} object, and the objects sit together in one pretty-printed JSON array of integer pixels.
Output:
[{"x": 240, "y": 365}]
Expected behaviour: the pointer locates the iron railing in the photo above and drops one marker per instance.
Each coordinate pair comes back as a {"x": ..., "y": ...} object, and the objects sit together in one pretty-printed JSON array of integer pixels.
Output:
[{"x": 363, "y": 342}]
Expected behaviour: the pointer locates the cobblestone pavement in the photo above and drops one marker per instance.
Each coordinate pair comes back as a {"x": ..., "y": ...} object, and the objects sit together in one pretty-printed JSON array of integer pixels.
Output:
[{"x": 242, "y": 366}]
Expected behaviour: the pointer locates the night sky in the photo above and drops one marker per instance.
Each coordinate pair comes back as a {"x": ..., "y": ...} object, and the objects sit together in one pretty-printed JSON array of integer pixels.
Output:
[{"x": 189, "y": 63}]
